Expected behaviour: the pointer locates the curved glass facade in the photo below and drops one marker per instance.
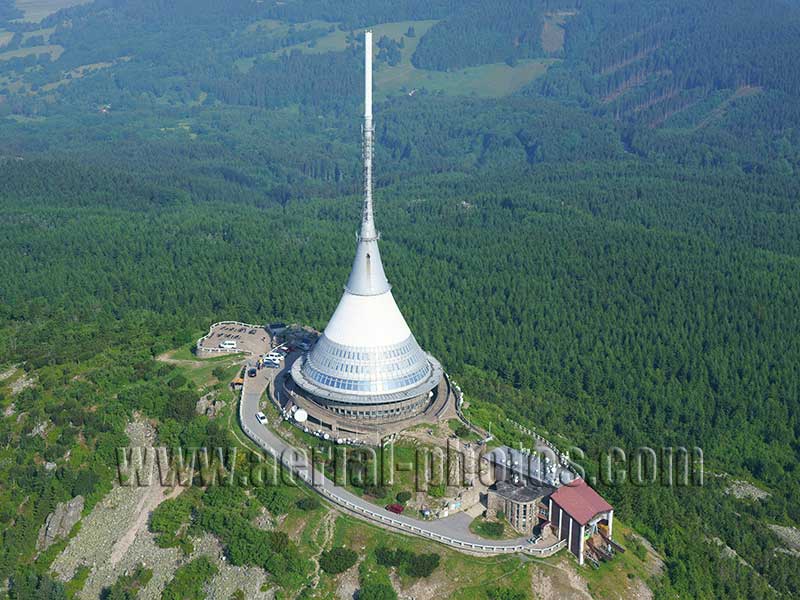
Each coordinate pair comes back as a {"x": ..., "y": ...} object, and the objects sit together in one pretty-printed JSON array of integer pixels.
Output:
[{"x": 366, "y": 371}]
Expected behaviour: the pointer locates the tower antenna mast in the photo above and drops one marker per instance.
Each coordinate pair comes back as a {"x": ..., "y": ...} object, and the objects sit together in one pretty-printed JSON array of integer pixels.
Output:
[
  {"x": 368, "y": 231},
  {"x": 367, "y": 358}
]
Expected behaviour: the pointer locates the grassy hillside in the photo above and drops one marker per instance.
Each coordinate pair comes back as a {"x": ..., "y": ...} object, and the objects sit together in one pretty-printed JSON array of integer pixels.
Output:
[
  {"x": 493, "y": 80},
  {"x": 36, "y": 10},
  {"x": 486, "y": 81},
  {"x": 53, "y": 51}
]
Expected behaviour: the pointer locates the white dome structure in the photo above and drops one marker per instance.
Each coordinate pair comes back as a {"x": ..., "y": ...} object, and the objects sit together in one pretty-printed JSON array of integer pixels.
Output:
[{"x": 367, "y": 354}]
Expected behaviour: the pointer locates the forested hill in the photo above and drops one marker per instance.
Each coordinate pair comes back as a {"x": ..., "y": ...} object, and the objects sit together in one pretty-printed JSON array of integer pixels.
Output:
[
  {"x": 589, "y": 211},
  {"x": 613, "y": 318},
  {"x": 648, "y": 61},
  {"x": 712, "y": 83},
  {"x": 8, "y": 11}
]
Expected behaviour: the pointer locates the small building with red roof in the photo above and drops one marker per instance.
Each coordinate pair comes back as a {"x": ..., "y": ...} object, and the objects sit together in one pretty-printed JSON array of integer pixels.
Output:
[
  {"x": 542, "y": 496},
  {"x": 578, "y": 513}
]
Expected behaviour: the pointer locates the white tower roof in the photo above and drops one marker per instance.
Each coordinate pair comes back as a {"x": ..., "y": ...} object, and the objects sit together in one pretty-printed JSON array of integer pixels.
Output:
[
  {"x": 367, "y": 321},
  {"x": 367, "y": 353}
]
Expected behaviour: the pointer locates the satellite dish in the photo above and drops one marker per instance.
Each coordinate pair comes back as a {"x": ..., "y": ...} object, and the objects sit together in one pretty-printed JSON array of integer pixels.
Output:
[{"x": 300, "y": 415}]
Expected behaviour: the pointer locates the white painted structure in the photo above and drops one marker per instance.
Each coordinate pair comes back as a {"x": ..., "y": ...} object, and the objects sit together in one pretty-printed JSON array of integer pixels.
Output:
[{"x": 367, "y": 353}]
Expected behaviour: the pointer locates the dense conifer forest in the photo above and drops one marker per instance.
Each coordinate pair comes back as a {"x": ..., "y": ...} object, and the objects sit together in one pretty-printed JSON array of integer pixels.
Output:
[{"x": 610, "y": 253}]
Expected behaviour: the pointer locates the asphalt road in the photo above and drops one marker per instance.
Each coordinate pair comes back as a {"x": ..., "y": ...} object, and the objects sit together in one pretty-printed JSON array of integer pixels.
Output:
[{"x": 455, "y": 526}]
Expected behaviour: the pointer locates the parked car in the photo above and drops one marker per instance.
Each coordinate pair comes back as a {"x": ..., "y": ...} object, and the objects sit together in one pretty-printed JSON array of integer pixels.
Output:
[
  {"x": 228, "y": 344},
  {"x": 395, "y": 508},
  {"x": 271, "y": 364},
  {"x": 252, "y": 372},
  {"x": 262, "y": 418}
]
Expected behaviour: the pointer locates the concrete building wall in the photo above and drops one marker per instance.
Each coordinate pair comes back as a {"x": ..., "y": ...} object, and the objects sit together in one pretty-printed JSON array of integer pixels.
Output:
[
  {"x": 522, "y": 516},
  {"x": 568, "y": 529},
  {"x": 385, "y": 412},
  {"x": 494, "y": 504},
  {"x": 576, "y": 547}
]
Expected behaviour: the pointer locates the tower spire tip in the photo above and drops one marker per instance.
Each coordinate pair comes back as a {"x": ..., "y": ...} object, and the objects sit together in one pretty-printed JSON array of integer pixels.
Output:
[{"x": 368, "y": 231}]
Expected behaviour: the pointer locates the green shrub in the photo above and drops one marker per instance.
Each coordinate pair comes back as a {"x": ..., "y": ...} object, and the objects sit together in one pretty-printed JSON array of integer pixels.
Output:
[
  {"x": 505, "y": 594},
  {"x": 42, "y": 587},
  {"x": 384, "y": 556},
  {"x": 127, "y": 586},
  {"x": 189, "y": 580},
  {"x": 247, "y": 545},
  {"x": 415, "y": 565},
  {"x": 422, "y": 565},
  {"x": 492, "y": 529},
  {"x": 636, "y": 546},
  {"x": 377, "y": 591},
  {"x": 177, "y": 382},
  {"x": 308, "y": 503},
  {"x": 85, "y": 483},
  {"x": 337, "y": 560},
  {"x": 168, "y": 518},
  {"x": 276, "y": 499},
  {"x": 463, "y": 431},
  {"x": 403, "y": 497},
  {"x": 376, "y": 491},
  {"x": 391, "y": 558},
  {"x": 437, "y": 491},
  {"x": 74, "y": 585}
]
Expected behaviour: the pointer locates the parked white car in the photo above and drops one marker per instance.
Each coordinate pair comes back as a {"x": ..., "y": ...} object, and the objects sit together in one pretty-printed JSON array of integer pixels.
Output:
[
  {"x": 228, "y": 344},
  {"x": 262, "y": 418}
]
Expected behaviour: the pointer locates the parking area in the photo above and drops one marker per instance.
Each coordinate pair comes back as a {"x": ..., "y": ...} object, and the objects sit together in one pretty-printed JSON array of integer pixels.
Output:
[
  {"x": 230, "y": 338},
  {"x": 295, "y": 337}
]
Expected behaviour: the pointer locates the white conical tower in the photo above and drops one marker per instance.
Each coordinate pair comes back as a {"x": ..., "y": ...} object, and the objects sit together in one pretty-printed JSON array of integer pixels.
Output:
[{"x": 367, "y": 354}]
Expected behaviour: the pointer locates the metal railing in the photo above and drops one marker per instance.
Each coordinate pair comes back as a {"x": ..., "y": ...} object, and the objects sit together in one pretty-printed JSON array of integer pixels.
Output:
[
  {"x": 539, "y": 438},
  {"x": 459, "y": 394},
  {"x": 459, "y": 400},
  {"x": 389, "y": 521}
]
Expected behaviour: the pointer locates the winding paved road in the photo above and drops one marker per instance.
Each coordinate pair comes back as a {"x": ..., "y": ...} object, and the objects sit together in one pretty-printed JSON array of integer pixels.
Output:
[{"x": 452, "y": 530}]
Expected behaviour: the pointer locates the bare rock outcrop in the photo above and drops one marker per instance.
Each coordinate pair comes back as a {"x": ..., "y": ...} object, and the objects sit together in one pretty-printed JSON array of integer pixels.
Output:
[
  {"x": 209, "y": 405},
  {"x": 60, "y": 522}
]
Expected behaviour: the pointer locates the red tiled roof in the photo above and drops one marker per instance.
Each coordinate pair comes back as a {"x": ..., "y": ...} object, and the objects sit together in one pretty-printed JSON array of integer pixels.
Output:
[{"x": 580, "y": 501}]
